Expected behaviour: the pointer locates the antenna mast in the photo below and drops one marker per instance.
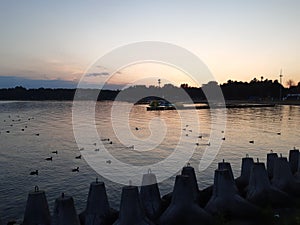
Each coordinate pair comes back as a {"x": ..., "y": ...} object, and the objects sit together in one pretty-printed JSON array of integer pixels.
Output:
[{"x": 280, "y": 92}]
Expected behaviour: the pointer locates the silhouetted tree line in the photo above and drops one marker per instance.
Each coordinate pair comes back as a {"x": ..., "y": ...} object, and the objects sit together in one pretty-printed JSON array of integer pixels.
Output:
[
  {"x": 59, "y": 94},
  {"x": 256, "y": 90},
  {"x": 232, "y": 90},
  {"x": 142, "y": 93}
]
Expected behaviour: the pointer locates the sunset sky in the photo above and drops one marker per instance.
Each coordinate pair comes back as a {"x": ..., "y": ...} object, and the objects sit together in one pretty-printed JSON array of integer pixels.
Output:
[{"x": 58, "y": 40}]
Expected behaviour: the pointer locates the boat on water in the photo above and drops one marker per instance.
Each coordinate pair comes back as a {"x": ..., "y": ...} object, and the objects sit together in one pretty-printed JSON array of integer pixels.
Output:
[{"x": 160, "y": 105}]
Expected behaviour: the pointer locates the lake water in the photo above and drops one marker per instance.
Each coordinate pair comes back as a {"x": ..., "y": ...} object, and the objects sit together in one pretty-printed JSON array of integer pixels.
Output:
[{"x": 24, "y": 151}]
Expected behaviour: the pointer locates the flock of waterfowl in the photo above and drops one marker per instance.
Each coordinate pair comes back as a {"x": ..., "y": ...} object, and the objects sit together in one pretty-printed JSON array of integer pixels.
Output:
[
  {"x": 51, "y": 158},
  {"x": 187, "y": 131},
  {"x": 19, "y": 119}
]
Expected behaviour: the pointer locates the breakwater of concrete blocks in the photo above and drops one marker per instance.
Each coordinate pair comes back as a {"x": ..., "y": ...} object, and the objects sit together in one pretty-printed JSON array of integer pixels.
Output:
[{"x": 262, "y": 194}]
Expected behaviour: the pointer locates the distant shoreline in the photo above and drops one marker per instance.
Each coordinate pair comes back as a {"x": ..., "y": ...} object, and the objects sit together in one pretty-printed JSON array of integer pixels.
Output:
[
  {"x": 255, "y": 93},
  {"x": 228, "y": 102}
]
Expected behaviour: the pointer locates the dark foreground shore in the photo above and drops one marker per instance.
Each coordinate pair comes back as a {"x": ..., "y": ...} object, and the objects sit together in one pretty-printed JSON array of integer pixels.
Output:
[{"x": 260, "y": 195}]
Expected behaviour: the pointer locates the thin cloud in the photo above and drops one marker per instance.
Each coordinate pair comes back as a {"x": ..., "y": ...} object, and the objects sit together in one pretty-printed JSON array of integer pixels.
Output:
[
  {"x": 104, "y": 68},
  {"x": 97, "y": 74}
]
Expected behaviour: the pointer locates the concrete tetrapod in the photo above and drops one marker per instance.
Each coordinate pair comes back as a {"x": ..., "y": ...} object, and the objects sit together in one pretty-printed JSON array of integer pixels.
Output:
[
  {"x": 294, "y": 160},
  {"x": 190, "y": 171},
  {"x": 150, "y": 196},
  {"x": 97, "y": 210},
  {"x": 206, "y": 194},
  {"x": 201, "y": 197},
  {"x": 131, "y": 211},
  {"x": 64, "y": 211},
  {"x": 226, "y": 166},
  {"x": 271, "y": 157},
  {"x": 260, "y": 191},
  {"x": 226, "y": 202},
  {"x": 37, "y": 209},
  {"x": 183, "y": 209},
  {"x": 243, "y": 180},
  {"x": 283, "y": 177}
]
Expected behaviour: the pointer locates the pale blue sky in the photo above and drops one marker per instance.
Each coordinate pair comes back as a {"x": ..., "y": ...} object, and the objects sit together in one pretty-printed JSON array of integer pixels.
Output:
[{"x": 237, "y": 40}]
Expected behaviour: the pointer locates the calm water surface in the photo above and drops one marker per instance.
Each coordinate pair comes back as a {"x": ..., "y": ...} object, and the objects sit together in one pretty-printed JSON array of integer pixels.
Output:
[{"x": 25, "y": 151}]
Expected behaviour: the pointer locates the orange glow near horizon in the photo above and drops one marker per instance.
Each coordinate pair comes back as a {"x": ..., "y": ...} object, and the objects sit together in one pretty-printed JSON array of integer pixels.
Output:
[{"x": 148, "y": 74}]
